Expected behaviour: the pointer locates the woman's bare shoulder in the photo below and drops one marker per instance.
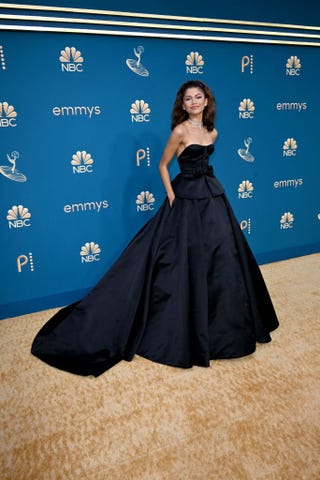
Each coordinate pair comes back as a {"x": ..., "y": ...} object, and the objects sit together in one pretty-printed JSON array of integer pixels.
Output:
[
  {"x": 214, "y": 135},
  {"x": 179, "y": 130}
]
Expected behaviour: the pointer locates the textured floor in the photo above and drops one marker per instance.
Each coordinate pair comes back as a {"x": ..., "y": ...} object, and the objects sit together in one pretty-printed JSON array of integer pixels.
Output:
[{"x": 252, "y": 418}]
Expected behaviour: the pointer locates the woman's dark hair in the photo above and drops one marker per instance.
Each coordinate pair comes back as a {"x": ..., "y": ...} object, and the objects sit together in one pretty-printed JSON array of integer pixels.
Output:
[{"x": 179, "y": 115}]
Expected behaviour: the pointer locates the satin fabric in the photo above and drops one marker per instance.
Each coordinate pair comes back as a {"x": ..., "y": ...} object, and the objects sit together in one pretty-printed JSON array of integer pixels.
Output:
[{"x": 186, "y": 290}]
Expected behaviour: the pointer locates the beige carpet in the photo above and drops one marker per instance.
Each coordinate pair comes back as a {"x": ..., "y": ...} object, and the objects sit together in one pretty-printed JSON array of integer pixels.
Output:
[{"x": 250, "y": 418}]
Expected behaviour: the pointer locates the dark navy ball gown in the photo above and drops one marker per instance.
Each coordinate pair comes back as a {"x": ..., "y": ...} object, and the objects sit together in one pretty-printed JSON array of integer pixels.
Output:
[{"x": 186, "y": 290}]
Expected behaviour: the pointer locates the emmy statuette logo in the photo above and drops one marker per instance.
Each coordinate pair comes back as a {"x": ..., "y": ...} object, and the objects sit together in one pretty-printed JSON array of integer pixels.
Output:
[
  {"x": 12, "y": 172},
  {"x": 135, "y": 65},
  {"x": 145, "y": 201},
  {"x": 8, "y": 115},
  {"x": 82, "y": 162},
  {"x": 293, "y": 66},
  {"x": 244, "y": 152},
  {"x": 90, "y": 252},
  {"x": 194, "y": 63},
  {"x": 71, "y": 60},
  {"x": 140, "y": 111},
  {"x": 286, "y": 221},
  {"x": 246, "y": 109},
  {"x": 143, "y": 155},
  {"x": 245, "y": 189},
  {"x": 289, "y": 148},
  {"x": 18, "y": 217},
  {"x": 247, "y": 64},
  {"x": 25, "y": 261}
]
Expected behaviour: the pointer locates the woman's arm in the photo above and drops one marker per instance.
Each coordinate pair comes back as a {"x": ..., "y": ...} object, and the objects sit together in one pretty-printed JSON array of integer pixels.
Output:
[
  {"x": 214, "y": 135},
  {"x": 168, "y": 153}
]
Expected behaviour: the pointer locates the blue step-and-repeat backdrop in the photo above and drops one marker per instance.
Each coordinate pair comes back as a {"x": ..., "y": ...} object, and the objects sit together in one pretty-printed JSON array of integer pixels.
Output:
[{"x": 83, "y": 122}]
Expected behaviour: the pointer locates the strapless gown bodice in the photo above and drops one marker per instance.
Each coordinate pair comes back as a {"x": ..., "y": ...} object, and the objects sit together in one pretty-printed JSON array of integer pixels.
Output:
[
  {"x": 195, "y": 156},
  {"x": 196, "y": 178}
]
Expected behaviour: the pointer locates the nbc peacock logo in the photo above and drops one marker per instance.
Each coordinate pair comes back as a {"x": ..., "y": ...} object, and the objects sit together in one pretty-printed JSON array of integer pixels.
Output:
[
  {"x": 145, "y": 201},
  {"x": 71, "y": 60},
  {"x": 8, "y": 115},
  {"x": 293, "y": 66},
  {"x": 90, "y": 252},
  {"x": 246, "y": 108},
  {"x": 82, "y": 162},
  {"x": 18, "y": 217},
  {"x": 245, "y": 189},
  {"x": 286, "y": 221},
  {"x": 289, "y": 147},
  {"x": 194, "y": 63},
  {"x": 140, "y": 111}
]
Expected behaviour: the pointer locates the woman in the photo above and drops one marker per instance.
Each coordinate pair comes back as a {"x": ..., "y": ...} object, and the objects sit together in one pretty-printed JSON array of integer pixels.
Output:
[{"x": 187, "y": 289}]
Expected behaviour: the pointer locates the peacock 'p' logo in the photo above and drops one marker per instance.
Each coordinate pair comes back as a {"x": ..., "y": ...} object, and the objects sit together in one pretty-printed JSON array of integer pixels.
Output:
[{"x": 2, "y": 58}]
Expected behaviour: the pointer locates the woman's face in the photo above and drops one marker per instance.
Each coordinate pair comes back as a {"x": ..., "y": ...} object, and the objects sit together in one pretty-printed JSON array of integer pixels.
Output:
[{"x": 194, "y": 101}]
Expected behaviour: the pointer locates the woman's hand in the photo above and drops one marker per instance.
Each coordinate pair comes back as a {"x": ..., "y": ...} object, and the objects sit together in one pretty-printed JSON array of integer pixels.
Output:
[{"x": 171, "y": 199}]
